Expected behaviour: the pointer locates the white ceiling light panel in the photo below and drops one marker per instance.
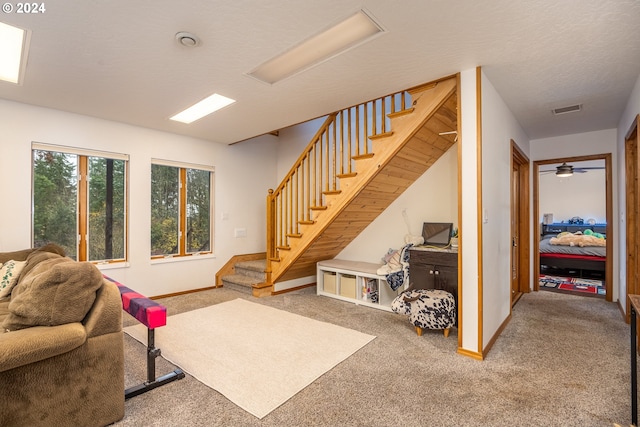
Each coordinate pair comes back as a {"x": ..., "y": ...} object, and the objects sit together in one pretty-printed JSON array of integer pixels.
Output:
[
  {"x": 203, "y": 108},
  {"x": 345, "y": 35},
  {"x": 14, "y": 43}
]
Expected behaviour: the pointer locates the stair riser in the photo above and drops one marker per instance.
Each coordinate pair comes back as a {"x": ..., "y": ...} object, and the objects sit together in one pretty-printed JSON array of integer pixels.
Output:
[
  {"x": 250, "y": 273},
  {"x": 237, "y": 287}
]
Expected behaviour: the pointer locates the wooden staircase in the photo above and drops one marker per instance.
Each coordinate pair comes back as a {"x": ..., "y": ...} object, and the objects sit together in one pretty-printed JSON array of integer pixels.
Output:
[{"x": 358, "y": 163}]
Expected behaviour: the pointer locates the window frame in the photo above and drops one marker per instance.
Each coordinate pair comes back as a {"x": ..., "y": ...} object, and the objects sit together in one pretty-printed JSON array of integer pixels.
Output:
[
  {"x": 182, "y": 210},
  {"x": 82, "y": 194}
]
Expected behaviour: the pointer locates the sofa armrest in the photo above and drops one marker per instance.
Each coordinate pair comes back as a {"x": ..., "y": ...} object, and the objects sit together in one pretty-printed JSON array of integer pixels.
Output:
[
  {"x": 105, "y": 316},
  {"x": 18, "y": 348}
]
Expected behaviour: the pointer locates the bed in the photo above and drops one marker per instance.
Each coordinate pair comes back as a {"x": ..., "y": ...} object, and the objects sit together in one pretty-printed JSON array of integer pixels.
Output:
[{"x": 580, "y": 261}]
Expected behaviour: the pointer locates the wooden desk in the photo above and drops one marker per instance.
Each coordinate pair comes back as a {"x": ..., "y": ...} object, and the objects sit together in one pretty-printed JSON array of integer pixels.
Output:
[{"x": 635, "y": 307}]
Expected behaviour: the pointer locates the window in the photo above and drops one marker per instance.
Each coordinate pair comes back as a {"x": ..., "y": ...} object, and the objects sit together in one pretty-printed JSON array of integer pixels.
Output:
[
  {"x": 79, "y": 202},
  {"x": 180, "y": 209}
]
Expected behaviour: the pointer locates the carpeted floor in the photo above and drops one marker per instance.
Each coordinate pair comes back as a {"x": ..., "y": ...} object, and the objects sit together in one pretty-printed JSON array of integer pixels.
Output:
[
  {"x": 562, "y": 360},
  {"x": 572, "y": 284}
]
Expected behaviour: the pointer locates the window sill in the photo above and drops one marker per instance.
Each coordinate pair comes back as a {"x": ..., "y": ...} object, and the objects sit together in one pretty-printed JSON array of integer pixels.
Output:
[
  {"x": 112, "y": 265},
  {"x": 171, "y": 259}
]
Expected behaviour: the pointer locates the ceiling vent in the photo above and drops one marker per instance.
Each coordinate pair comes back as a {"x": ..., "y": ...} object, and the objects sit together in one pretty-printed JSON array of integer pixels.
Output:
[{"x": 565, "y": 110}]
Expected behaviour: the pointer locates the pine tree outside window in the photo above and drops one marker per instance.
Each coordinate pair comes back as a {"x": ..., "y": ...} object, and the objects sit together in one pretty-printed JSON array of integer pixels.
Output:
[
  {"x": 79, "y": 202},
  {"x": 181, "y": 206}
]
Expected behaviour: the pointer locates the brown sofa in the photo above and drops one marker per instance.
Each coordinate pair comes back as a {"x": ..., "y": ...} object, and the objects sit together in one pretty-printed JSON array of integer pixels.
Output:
[{"x": 61, "y": 344}]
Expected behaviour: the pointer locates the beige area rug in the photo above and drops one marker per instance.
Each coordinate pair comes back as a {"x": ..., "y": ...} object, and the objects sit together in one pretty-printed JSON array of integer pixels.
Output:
[{"x": 256, "y": 356}]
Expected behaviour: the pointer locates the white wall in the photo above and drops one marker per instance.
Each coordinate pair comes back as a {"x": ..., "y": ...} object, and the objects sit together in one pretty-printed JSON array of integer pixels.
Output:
[
  {"x": 469, "y": 236},
  {"x": 630, "y": 112},
  {"x": 291, "y": 142},
  {"x": 499, "y": 127},
  {"x": 243, "y": 174},
  {"x": 583, "y": 144},
  {"x": 579, "y": 144}
]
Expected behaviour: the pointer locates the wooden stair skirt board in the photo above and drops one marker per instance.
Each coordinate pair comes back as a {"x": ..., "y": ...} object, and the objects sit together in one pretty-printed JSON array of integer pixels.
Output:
[{"x": 400, "y": 159}]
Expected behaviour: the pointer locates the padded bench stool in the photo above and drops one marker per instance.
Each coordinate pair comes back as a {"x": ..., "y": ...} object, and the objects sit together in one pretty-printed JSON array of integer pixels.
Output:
[{"x": 427, "y": 308}]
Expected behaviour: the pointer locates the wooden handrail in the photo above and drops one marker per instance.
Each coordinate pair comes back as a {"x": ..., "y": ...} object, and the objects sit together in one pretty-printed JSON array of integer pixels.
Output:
[{"x": 329, "y": 156}]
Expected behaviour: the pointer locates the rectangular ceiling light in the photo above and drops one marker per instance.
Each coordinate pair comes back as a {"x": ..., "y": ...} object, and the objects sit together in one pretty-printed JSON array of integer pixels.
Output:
[
  {"x": 343, "y": 36},
  {"x": 13, "y": 52},
  {"x": 203, "y": 108}
]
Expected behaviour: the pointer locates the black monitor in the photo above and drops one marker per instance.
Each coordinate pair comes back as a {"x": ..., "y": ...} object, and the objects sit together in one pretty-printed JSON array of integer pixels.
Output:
[{"x": 437, "y": 234}]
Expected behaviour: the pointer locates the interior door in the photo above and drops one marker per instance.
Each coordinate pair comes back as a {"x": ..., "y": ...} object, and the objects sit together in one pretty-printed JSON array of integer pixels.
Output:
[{"x": 520, "y": 228}]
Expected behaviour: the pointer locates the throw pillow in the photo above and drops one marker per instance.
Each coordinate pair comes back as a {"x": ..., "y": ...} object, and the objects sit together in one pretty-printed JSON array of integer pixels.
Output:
[
  {"x": 56, "y": 291},
  {"x": 9, "y": 274}
]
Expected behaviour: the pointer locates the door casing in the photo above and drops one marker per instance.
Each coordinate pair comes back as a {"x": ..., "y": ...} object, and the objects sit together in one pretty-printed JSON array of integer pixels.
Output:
[{"x": 520, "y": 229}]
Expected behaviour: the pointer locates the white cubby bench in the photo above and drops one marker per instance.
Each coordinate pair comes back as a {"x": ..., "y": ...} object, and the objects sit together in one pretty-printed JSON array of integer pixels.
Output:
[{"x": 356, "y": 282}]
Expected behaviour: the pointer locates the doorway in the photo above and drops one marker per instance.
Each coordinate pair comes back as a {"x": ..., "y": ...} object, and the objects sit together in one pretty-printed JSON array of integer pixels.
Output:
[
  {"x": 519, "y": 223},
  {"x": 574, "y": 223}
]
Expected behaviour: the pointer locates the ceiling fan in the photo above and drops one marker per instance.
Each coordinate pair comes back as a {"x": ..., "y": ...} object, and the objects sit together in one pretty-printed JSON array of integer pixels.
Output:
[{"x": 565, "y": 170}]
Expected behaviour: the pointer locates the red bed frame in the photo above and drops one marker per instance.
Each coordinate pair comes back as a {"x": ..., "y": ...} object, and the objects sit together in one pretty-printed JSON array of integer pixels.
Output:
[{"x": 576, "y": 262}]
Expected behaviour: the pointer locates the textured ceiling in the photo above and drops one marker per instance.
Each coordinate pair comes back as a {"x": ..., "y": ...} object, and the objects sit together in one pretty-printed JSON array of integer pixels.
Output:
[{"x": 119, "y": 59}]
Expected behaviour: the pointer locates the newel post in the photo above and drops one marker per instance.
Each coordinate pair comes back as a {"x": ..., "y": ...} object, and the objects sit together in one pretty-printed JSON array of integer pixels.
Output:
[{"x": 271, "y": 237}]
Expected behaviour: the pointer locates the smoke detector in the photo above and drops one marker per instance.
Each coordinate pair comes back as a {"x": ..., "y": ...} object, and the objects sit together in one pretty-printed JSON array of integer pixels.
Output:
[{"x": 187, "y": 39}]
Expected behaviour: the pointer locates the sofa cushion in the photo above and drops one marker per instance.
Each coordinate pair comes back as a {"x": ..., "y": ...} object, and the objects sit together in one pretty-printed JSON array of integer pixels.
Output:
[
  {"x": 9, "y": 274},
  {"x": 39, "y": 343},
  {"x": 55, "y": 292}
]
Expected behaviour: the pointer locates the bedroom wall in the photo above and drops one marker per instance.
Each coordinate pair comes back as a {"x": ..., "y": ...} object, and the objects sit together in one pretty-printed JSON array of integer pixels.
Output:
[
  {"x": 582, "y": 194},
  {"x": 243, "y": 174},
  {"x": 582, "y": 144},
  {"x": 628, "y": 116},
  {"x": 499, "y": 127}
]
